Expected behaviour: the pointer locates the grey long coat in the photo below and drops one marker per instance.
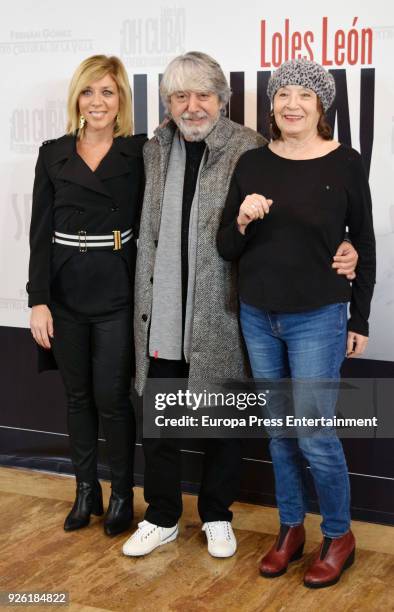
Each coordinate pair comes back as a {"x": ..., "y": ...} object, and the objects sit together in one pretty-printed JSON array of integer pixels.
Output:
[{"x": 217, "y": 349}]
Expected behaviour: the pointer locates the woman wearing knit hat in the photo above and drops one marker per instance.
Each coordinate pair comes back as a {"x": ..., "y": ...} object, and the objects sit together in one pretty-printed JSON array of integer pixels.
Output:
[{"x": 293, "y": 302}]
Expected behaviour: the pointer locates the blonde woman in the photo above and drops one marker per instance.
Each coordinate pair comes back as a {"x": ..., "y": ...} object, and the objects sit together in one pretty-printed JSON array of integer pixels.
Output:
[{"x": 86, "y": 205}]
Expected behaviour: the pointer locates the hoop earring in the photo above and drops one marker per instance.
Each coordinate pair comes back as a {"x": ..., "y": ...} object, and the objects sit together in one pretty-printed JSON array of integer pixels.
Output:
[{"x": 82, "y": 122}]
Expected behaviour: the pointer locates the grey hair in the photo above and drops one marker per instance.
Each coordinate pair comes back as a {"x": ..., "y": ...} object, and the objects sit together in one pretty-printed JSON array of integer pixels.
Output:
[{"x": 194, "y": 71}]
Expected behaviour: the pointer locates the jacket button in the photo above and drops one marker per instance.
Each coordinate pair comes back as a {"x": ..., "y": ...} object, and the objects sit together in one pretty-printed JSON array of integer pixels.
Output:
[
  {"x": 80, "y": 212},
  {"x": 144, "y": 317},
  {"x": 115, "y": 208}
]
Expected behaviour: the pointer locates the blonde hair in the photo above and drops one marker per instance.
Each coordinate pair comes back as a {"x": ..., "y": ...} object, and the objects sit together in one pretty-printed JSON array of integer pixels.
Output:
[{"x": 93, "y": 69}]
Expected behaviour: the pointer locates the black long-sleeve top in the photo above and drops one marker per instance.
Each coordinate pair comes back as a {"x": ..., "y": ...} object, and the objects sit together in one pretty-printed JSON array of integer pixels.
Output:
[{"x": 285, "y": 259}]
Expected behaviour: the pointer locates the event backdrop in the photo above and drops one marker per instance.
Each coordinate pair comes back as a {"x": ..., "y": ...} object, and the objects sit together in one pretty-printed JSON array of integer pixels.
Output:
[{"x": 42, "y": 42}]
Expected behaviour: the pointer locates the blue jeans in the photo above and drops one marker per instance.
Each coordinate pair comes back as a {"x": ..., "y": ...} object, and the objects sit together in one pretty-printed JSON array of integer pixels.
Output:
[{"x": 303, "y": 345}]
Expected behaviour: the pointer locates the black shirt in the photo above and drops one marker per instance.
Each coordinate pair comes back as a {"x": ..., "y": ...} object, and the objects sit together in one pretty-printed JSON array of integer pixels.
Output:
[{"x": 285, "y": 259}]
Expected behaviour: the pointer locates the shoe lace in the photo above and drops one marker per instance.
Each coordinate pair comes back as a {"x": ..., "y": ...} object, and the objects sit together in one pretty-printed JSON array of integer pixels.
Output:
[
  {"x": 145, "y": 529},
  {"x": 218, "y": 530}
]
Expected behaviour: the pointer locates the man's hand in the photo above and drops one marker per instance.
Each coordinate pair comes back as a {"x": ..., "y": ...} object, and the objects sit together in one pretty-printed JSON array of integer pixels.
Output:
[
  {"x": 345, "y": 260},
  {"x": 356, "y": 344},
  {"x": 41, "y": 325},
  {"x": 253, "y": 207}
]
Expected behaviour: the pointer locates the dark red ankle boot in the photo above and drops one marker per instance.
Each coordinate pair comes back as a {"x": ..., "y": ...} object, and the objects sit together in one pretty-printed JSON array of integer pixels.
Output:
[
  {"x": 330, "y": 561},
  {"x": 288, "y": 547}
]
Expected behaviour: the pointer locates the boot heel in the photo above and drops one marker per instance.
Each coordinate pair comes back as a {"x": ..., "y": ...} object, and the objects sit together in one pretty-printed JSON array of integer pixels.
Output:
[
  {"x": 97, "y": 507},
  {"x": 350, "y": 560},
  {"x": 298, "y": 553}
]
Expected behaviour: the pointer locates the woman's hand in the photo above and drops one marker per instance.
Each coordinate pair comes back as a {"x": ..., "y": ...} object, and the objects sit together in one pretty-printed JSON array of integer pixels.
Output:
[
  {"x": 356, "y": 344},
  {"x": 253, "y": 207},
  {"x": 345, "y": 260},
  {"x": 41, "y": 325}
]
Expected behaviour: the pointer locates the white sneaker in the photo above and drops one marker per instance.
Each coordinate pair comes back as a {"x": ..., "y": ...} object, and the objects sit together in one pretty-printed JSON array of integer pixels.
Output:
[
  {"x": 221, "y": 538},
  {"x": 147, "y": 538}
]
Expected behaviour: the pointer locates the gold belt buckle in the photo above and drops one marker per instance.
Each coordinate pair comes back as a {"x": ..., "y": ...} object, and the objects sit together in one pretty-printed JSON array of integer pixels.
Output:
[
  {"x": 83, "y": 243},
  {"x": 117, "y": 240}
]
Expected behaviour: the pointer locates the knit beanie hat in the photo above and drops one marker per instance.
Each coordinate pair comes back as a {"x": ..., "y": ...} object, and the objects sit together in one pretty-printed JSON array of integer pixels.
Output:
[{"x": 306, "y": 73}]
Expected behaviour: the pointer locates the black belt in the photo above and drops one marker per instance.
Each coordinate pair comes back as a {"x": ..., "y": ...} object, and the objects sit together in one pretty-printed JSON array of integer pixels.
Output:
[{"x": 84, "y": 241}]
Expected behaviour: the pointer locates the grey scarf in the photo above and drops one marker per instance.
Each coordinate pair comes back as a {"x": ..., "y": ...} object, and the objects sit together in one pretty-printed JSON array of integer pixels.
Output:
[{"x": 165, "y": 339}]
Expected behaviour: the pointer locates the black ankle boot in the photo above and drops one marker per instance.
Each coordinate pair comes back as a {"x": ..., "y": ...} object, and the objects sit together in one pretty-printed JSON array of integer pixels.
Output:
[
  {"x": 88, "y": 500},
  {"x": 119, "y": 514}
]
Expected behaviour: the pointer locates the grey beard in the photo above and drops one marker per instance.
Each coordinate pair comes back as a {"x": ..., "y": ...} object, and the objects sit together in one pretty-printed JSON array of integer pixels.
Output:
[{"x": 197, "y": 134}]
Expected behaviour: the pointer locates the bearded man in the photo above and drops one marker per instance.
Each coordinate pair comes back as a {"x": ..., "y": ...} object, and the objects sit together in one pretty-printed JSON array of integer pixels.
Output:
[{"x": 186, "y": 307}]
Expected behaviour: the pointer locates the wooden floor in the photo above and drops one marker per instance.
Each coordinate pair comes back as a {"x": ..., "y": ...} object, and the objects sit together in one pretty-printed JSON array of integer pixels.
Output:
[{"x": 36, "y": 554}]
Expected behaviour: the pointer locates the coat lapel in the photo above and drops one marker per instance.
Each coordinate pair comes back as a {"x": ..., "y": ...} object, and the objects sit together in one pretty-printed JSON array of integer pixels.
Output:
[
  {"x": 217, "y": 140},
  {"x": 115, "y": 163},
  {"x": 165, "y": 137},
  {"x": 75, "y": 170}
]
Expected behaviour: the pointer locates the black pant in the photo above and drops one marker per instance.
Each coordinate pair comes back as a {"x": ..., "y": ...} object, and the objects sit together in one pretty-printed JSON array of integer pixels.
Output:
[
  {"x": 162, "y": 480},
  {"x": 94, "y": 358}
]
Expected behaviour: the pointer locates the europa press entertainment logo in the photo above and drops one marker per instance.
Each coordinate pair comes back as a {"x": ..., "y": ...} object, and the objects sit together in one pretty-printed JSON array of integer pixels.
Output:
[
  {"x": 30, "y": 126},
  {"x": 153, "y": 41}
]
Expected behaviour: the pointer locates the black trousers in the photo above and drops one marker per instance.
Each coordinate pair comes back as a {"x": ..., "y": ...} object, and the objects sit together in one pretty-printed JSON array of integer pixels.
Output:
[
  {"x": 94, "y": 356},
  {"x": 162, "y": 480}
]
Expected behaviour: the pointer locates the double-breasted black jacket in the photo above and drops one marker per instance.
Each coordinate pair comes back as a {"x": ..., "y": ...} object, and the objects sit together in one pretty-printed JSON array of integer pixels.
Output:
[{"x": 68, "y": 197}]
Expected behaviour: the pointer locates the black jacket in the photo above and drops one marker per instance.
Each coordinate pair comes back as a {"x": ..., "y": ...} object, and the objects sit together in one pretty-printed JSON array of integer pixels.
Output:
[{"x": 68, "y": 197}]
